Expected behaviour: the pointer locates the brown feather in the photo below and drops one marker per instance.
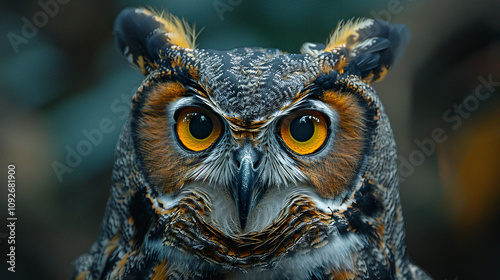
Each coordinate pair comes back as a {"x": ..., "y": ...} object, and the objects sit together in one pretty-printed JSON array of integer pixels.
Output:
[{"x": 333, "y": 175}]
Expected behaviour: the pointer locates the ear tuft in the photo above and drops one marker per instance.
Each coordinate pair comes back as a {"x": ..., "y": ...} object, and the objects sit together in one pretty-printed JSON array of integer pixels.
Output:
[
  {"x": 347, "y": 32},
  {"x": 371, "y": 46},
  {"x": 140, "y": 34},
  {"x": 180, "y": 33}
]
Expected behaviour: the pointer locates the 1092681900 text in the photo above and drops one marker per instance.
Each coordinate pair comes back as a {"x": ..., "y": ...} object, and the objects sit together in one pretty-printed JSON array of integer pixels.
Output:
[{"x": 11, "y": 219}]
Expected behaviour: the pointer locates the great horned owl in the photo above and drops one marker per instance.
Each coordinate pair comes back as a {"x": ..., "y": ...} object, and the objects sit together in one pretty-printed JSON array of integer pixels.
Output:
[{"x": 252, "y": 163}]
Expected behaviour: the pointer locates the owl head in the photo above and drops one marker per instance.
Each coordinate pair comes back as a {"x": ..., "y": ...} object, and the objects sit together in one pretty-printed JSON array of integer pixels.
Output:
[{"x": 255, "y": 161}]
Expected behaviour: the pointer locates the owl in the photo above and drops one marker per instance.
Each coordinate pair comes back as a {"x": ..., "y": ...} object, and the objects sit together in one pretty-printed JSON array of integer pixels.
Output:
[{"x": 253, "y": 163}]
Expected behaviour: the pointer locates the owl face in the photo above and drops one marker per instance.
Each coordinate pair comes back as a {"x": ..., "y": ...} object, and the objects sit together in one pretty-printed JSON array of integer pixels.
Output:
[
  {"x": 238, "y": 136},
  {"x": 253, "y": 161},
  {"x": 227, "y": 166}
]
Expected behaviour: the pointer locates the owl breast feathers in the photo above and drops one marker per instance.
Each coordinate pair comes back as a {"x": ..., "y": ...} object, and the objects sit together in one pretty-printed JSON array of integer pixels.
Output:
[{"x": 254, "y": 164}]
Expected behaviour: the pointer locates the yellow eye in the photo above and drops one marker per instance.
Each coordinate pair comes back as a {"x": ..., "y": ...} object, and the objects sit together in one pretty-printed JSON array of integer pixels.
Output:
[
  {"x": 304, "y": 132},
  {"x": 197, "y": 128}
]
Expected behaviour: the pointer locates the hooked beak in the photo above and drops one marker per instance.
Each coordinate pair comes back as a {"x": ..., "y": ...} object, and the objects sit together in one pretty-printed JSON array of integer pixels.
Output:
[{"x": 245, "y": 190}]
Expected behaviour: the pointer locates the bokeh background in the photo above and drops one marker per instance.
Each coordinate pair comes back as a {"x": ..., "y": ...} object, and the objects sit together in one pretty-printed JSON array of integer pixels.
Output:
[{"x": 68, "y": 77}]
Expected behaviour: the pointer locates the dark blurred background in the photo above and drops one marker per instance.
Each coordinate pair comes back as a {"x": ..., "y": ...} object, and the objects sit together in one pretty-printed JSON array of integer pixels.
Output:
[{"x": 62, "y": 77}]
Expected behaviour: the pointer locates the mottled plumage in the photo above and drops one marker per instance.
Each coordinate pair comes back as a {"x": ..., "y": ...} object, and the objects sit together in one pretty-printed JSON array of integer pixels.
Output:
[{"x": 252, "y": 163}]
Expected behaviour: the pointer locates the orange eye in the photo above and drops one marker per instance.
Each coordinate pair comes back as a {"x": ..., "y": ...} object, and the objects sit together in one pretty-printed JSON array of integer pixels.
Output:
[
  {"x": 304, "y": 132},
  {"x": 197, "y": 128}
]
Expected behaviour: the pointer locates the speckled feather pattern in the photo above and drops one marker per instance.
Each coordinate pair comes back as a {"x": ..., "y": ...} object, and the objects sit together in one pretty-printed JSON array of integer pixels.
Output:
[{"x": 259, "y": 82}]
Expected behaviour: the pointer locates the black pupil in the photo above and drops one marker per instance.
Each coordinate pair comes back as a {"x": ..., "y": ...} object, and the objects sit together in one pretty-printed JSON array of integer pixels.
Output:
[
  {"x": 302, "y": 128},
  {"x": 200, "y": 126}
]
